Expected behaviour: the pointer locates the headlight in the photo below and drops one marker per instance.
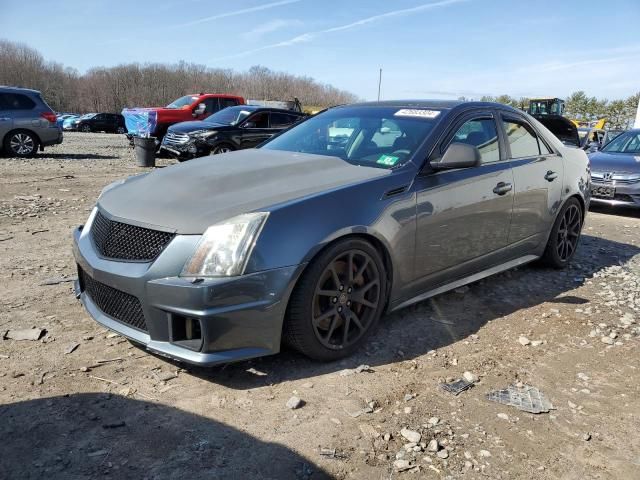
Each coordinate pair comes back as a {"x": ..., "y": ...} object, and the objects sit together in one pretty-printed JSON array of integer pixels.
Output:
[{"x": 224, "y": 248}]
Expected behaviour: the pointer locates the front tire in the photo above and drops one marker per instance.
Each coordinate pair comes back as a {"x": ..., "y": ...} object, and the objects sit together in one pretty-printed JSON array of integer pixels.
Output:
[
  {"x": 21, "y": 144},
  {"x": 565, "y": 235},
  {"x": 85, "y": 128},
  {"x": 222, "y": 148},
  {"x": 337, "y": 302}
]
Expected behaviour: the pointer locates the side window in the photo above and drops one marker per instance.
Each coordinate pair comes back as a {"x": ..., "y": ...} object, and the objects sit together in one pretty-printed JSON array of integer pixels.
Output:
[
  {"x": 17, "y": 101},
  {"x": 260, "y": 120},
  {"x": 227, "y": 102},
  {"x": 99, "y": 117},
  {"x": 3, "y": 102},
  {"x": 522, "y": 139},
  {"x": 211, "y": 105},
  {"x": 279, "y": 120},
  {"x": 481, "y": 133}
]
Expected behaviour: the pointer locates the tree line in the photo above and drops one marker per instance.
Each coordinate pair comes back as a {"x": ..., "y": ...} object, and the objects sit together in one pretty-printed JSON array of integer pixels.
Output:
[
  {"x": 111, "y": 89},
  {"x": 620, "y": 114}
]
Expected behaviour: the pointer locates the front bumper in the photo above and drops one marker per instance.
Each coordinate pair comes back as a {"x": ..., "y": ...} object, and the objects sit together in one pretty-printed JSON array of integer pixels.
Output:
[
  {"x": 238, "y": 317},
  {"x": 187, "y": 150},
  {"x": 624, "y": 196}
]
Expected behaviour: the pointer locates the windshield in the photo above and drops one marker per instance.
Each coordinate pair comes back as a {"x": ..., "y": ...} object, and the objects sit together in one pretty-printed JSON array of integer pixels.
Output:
[
  {"x": 88, "y": 115},
  {"x": 230, "y": 115},
  {"x": 628, "y": 142},
  {"x": 383, "y": 137},
  {"x": 183, "y": 101}
]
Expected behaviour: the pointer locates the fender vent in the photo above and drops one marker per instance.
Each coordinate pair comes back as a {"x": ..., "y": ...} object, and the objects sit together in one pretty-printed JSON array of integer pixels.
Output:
[{"x": 396, "y": 191}]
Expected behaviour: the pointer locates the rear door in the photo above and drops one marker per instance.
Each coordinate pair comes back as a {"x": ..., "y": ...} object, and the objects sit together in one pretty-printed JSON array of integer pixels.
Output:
[
  {"x": 20, "y": 112},
  {"x": 538, "y": 176},
  {"x": 6, "y": 122},
  {"x": 463, "y": 215}
]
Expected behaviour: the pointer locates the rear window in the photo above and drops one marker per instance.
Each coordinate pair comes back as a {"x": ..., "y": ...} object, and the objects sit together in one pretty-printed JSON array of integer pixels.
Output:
[
  {"x": 16, "y": 101},
  {"x": 282, "y": 119}
]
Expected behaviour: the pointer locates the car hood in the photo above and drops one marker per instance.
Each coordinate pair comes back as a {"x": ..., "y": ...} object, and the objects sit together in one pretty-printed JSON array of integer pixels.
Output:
[
  {"x": 615, "y": 162},
  {"x": 188, "y": 127},
  {"x": 190, "y": 197}
]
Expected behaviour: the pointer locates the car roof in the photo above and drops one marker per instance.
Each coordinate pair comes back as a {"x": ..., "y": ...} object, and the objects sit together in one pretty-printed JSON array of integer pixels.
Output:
[
  {"x": 438, "y": 104},
  {"x": 5, "y": 89}
]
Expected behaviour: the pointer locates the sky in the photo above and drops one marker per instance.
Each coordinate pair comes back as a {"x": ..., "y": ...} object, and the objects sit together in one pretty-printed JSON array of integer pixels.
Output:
[{"x": 426, "y": 49}]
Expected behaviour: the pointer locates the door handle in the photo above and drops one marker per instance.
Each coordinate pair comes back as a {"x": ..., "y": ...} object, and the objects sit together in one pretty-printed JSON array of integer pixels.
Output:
[
  {"x": 502, "y": 188},
  {"x": 551, "y": 176}
]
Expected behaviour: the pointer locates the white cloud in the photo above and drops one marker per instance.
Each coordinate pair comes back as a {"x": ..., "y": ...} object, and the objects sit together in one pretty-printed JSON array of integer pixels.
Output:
[
  {"x": 269, "y": 27},
  {"x": 234, "y": 13},
  {"x": 309, "y": 36}
]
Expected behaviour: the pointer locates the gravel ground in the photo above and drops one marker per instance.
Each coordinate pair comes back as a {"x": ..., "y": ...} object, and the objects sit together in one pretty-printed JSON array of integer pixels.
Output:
[{"x": 82, "y": 402}]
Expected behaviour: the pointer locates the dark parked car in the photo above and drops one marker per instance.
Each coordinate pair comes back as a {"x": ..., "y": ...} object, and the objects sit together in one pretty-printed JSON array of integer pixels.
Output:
[
  {"x": 27, "y": 123},
  {"x": 615, "y": 171},
  {"x": 234, "y": 128},
  {"x": 100, "y": 122},
  {"x": 312, "y": 237}
]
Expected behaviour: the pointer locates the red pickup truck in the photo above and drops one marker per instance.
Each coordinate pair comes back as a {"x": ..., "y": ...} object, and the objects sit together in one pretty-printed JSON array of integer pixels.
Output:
[{"x": 155, "y": 121}]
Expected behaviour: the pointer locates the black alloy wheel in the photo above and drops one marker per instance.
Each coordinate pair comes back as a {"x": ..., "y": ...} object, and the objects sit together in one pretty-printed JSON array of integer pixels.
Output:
[
  {"x": 85, "y": 128},
  {"x": 346, "y": 299},
  {"x": 338, "y": 301},
  {"x": 569, "y": 232},
  {"x": 565, "y": 235}
]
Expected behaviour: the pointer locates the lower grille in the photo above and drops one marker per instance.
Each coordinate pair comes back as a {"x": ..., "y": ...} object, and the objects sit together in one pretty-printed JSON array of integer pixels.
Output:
[{"x": 118, "y": 305}]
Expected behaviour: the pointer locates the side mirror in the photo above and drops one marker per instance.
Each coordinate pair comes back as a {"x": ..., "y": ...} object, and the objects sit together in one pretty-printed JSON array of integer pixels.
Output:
[
  {"x": 458, "y": 155},
  {"x": 199, "y": 110},
  {"x": 249, "y": 125}
]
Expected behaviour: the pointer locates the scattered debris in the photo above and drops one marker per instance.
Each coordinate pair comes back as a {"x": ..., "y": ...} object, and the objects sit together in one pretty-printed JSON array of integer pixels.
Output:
[
  {"x": 97, "y": 453},
  {"x": 526, "y": 398},
  {"x": 114, "y": 424},
  {"x": 402, "y": 465},
  {"x": 4, "y": 239},
  {"x": 503, "y": 416},
  {"x": 524, "y": 341},
  {"x": 470, "y": 377},
  {"x": 25, "y": 334},
  {"x": 39, "y": 231},
  {"x": 443, "y": 454},
  {"x": 256, "y": 372},
  {"x": 586, "y": 437},
  {"x": 294, "y": 403},
  {"x": 166, "y": 376},
  {"x": 71, "y": 348},
  {"x": 352, "y": 371},
  {"x": 433, "y": 446},
  {"x": 58, "y": 280},
  {"x": 411, "y": 435},
  {"x": 456, "y": 387}
]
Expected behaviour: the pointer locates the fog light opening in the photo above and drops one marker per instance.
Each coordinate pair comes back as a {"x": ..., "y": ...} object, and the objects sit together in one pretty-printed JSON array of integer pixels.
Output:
[{"x": 186, "y": 332}]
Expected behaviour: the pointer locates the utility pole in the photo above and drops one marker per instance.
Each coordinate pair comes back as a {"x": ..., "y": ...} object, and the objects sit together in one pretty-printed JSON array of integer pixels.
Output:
[{"x": 379, "y": 83}]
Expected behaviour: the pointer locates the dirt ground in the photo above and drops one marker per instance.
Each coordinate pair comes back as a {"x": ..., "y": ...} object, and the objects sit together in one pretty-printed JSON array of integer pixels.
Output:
[{"x": 108, "y": 409}]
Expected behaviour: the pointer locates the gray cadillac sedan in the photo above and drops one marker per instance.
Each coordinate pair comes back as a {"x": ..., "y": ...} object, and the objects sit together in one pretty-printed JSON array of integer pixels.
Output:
[
  {"x": 310, "y": 239},
  {"x": 616, "y": 171}
]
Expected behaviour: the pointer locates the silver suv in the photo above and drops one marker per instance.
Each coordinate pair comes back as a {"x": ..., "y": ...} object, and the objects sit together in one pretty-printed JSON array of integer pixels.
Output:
[{"x": 26, "y": 122}]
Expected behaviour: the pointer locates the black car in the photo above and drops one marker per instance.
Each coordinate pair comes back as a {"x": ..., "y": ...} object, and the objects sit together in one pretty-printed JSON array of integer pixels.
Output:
[
  {"x": 100, "y": 122},
  {"x": 234, "y": 128}
]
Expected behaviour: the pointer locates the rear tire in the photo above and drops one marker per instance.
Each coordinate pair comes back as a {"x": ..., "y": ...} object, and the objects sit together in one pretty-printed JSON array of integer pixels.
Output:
[
  {"x": 565, "y": 235},
  {"x": 121, "y": 130},
  {"x": 337, "y": 302},
  {"x": 21, "y": 144}
]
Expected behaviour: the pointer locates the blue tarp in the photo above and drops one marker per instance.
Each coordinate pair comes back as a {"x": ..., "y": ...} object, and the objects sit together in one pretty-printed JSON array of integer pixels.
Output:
[{"x": 140, "y": 122}]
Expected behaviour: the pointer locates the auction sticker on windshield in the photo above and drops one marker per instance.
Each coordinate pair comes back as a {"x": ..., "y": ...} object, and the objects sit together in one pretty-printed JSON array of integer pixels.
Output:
[
  {"x": 415, "y": 112},
  {"x": 388, "y": 160}
]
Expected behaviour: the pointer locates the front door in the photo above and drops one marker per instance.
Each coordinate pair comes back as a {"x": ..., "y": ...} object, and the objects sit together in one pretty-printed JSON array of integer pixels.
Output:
[
  {"x": 538, "y": 175},
  {"x": 463, "y": 215},
  {"x": 255, "y": 130}
]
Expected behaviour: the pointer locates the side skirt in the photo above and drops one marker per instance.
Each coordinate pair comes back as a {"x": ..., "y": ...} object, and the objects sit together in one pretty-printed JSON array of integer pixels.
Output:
[{"x": 464, "y": 281}]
